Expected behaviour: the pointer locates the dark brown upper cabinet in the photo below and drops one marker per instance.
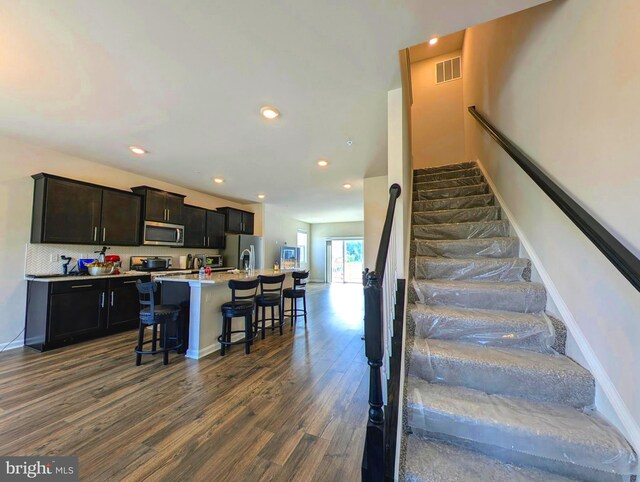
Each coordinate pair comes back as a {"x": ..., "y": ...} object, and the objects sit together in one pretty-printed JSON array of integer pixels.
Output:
[
  {"x": 66, "y": 211},
  {"x": 161, "y": 206},
  {"x": 237, "y": 221},
  {"x": 215, "y": 230},
  {"x": 195, "y": 227},
  {"x": 203, "y": 228}
]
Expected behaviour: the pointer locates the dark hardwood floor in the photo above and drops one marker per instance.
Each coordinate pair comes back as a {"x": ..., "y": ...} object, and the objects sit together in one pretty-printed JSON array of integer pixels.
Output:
[{"x": 294, "y": 409}]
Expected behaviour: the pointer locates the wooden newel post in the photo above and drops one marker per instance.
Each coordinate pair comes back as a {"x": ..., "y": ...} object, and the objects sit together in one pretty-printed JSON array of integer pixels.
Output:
[{"x": 373, "y": 461}]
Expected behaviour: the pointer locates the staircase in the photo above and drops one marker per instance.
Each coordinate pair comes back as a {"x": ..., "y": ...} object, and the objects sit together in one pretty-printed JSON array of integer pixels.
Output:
[{"x": 490, "y": 394}]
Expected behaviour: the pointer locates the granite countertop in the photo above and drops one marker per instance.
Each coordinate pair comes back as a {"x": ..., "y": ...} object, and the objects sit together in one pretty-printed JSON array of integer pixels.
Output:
[
  {"x": 123, "y": 274},
  {"x": 223, "y": 278}
]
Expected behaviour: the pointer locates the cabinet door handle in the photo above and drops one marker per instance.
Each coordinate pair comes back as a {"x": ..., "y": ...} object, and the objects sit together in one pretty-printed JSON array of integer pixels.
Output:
[
  {"x": 104, "y": 234},
  {"x": 112, "y": 293},
  {"x": 168, "y": 214},
  {"x": 208, "y": 241},
  {"x": 102, "y": 300},
  {"x": 128, "y": 282},
  {"x": 82, "y": 286},
  {"x": 95, "y": 233}
]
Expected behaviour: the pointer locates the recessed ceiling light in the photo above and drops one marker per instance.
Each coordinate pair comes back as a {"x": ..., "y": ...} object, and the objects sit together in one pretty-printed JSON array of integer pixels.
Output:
[
  {"x": 139, "y": 151},
  {"x": 260, "y": 196},
  {"x": 323, "y": 163},
  {"x": 218, "y": 180},
  {"x": 347, "y": 186},
  {"x": 433, "y": 41},
  {"x": 269, "y": 112}
]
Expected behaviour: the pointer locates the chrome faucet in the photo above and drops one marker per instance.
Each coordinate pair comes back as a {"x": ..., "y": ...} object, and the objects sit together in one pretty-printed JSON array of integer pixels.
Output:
[{"x": 248, "y": 266}]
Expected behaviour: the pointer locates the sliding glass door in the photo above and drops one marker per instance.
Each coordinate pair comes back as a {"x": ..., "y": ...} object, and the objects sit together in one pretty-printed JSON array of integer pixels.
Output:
[{"x": 345, "y": 260}]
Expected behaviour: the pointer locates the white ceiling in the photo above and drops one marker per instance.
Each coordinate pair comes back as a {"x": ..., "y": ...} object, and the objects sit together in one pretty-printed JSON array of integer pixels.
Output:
[{"x": 186, "y": 80}]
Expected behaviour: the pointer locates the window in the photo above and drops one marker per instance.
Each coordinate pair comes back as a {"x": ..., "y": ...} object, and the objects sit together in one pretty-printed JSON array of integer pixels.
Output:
[{"x": 302, "y": 242}]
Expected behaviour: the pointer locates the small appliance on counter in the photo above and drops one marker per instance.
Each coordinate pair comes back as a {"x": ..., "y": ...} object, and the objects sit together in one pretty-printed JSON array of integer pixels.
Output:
[
  {"x": 151, "y": 263},
  {"x": 290, "y": 257},
  {"x": 208, "y": 261}
]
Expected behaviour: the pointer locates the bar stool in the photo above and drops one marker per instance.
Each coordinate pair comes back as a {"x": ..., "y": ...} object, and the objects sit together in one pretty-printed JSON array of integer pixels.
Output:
[
  {"x": 294, "y": 294},
  {"x": 239, "y": 306},
  {"x": 156, "y": 315},
  {"x": 270, "y": 296}
]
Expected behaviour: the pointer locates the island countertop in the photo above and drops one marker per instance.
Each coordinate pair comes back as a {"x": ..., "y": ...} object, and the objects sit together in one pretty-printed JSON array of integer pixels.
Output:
[{"x": 223, "y": 278}]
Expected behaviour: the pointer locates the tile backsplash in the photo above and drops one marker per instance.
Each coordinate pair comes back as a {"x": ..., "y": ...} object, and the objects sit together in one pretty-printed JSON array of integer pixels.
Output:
[{"x": 41, "y": 258}]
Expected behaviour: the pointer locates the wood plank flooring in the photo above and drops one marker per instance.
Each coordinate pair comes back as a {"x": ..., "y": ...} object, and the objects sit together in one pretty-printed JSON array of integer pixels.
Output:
[{"x": 294, "y": 409}]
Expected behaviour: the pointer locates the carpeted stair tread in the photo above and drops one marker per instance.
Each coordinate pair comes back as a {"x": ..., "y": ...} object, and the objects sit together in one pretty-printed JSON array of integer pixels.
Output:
[
  {"x": 474, "y": 269},
  {"x": 543, "y": 431},
  {"x": 523, "y": 297},
  {"x": 478, "y": 200},
  {"x": 441, "y": 176},
  {"x": 448, "y": 216},
  {"x": 468, "y": 230},
  {"x": 451, "y": 192},
  {"x": 542, "y": 377},
  {"x": 437, "y": 461},
  {"x": 449, "y": 167},
  {"x": 502, "y": 247},
  {"x": 457, "y": 182},
  {"x": 505, "y": 329}
]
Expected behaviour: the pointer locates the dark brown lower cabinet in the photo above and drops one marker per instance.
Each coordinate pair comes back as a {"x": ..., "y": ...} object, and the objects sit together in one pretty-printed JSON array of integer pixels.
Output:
[{"x": 60, "y": 313}]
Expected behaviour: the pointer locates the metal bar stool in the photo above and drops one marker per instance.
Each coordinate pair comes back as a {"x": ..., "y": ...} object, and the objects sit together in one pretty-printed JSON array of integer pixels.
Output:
[
  {"x": 156, "y": 315},
  {"x": 241, "y": 305},
  {"x": 270, "y": 296},
  {"x": 294, "y": 294}
]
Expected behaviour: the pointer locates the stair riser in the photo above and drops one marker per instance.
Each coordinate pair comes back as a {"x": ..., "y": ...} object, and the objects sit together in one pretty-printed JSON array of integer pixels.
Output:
[
  {"x": 531, "y": 384},
  {"x": 462, "y": 181},
  {"x": 448, "y": 193},
  {"x": 461, "y": 231},
  {"x": 454, "y": 203},
  {"x": 450, "y": 167},
  {"x": 490, "y": 213},
  {"x": 533, "y": 334},
  {"x": 441, "y": 176},
  {"x": 522, "y": 298},
  {"x": 503, "y": 270},
  {"x": 571, "y": 471},
  {"x": 472, "y": 248}
]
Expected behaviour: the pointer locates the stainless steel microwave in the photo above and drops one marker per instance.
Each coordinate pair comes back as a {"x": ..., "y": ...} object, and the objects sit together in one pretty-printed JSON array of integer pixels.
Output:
[{"x": 162, "y": 234}]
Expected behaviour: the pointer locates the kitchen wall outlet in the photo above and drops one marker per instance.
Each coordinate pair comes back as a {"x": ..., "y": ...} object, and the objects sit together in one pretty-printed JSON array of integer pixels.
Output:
[{"x": 54, "y": 258}]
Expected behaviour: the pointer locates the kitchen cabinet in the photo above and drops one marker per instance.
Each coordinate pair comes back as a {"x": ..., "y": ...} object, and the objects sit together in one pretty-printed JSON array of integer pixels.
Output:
[
  {"x": 120, "y": 223},
  {"x": 203, "y": 228},
  {"x": 215, "y": 230},
  {"x": 123, "y": 303},
  {"x": 161, "y": 206},
  {"x": 66, "y": 211},
  {"x": 60, "y": 313},
  {"x": 238, "y": 221},
  {"x": 195, "y": 227}
]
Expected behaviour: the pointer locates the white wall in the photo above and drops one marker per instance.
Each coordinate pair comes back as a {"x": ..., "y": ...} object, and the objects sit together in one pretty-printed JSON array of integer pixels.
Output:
[
  {"x": 561, "y": 82},
  {"x": 322, "y": 232},
  {"x": 437, "y": 116},
  {"x": 280, "y": 229},
  {"x": 376, "y": 199},
  {"x": 18, "y": 161}
]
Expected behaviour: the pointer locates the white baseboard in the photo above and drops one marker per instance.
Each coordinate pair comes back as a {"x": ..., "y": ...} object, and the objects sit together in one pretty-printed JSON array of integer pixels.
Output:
[
  {"x": 19, "y": 343},
  {"x": 597, "y": 370}
]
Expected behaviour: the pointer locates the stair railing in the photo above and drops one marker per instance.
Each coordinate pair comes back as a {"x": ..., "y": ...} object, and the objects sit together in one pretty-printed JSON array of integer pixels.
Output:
[
  {"x": 377, "y": 460},
  {"x": 623, "y": 259}
]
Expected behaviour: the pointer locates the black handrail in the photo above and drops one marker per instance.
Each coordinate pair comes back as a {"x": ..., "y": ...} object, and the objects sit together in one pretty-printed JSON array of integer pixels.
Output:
[
  {"x": 374, "y": 463},
  {"x": 623, "y": 259}
]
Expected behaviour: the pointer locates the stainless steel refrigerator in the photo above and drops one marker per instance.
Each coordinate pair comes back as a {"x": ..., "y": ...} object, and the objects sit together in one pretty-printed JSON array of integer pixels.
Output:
[{"x": 236, "y": 244}]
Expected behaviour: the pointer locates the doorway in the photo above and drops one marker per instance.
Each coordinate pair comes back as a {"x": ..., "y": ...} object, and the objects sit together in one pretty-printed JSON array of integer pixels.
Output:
[{"x": 345, "y": 260}]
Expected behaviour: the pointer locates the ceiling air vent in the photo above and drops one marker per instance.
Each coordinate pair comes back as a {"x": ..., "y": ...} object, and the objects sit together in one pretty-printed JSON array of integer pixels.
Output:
[{"x": 448, "y": 70}]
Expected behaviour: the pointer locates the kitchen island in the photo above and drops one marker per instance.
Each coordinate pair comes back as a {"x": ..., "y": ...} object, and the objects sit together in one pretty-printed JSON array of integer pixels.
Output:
[{"x": 201, "y": 300}]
